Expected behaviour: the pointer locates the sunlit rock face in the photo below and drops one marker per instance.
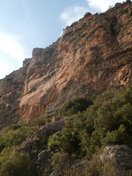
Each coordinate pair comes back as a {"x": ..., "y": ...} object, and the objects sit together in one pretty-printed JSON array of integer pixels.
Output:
[{"x": 92, "y": 55}]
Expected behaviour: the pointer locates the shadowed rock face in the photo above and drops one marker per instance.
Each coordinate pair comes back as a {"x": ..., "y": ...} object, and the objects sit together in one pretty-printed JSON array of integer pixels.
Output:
[
  {"x": 92, "y": 55},
  {"x": 11, "y": 89}
]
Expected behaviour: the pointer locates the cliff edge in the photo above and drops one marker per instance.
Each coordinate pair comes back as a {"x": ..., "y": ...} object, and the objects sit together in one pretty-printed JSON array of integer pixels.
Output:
[{"x": 93, "y": 55}]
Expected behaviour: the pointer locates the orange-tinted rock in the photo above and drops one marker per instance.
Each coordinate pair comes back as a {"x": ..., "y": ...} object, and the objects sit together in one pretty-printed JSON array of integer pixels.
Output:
[{"x": 91, "y": 56}]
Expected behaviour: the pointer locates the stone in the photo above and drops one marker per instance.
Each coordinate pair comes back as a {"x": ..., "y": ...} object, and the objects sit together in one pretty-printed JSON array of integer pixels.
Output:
[
  {"x": 26, "y": 62},
  {"x": 92, "y": 55},
  {"x": 37, "y": 142},
  {"x": 121, "y": 155},
  {"x": 42, "y": 160}
]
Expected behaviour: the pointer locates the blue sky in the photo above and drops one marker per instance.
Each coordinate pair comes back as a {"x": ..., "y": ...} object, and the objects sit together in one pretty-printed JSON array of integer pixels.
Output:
[{"x": 26, "y": 24}]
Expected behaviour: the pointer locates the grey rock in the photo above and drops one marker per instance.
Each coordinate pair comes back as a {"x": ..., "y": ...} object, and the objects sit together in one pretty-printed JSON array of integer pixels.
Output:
[
  {"x": 54, "y": 173},
  {"x": 42, "y": 160},
  {"x": 39, "y": 139},
  {"x": 121, "y": 155}
]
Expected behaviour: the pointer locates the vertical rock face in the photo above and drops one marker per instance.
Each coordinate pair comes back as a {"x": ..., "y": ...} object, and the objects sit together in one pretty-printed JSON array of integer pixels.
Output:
[
  {"x": 10, "y": 92},
  {"x": 92, "y": 55}
]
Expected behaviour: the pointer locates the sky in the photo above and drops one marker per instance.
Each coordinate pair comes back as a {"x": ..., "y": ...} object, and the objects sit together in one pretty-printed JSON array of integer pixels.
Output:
[{"x": 27, "y": 24}]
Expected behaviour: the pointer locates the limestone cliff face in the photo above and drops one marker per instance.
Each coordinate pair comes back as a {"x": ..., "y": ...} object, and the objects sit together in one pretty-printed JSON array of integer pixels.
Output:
[
  {"x": 10, "y": 92},
  {"x": 92, "y": 55}
]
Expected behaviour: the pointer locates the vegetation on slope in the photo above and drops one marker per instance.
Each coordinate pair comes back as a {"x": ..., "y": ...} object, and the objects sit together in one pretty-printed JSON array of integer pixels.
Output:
[
  {"x": 107, "y": 121},
  {"x": 91, "y": 126}
]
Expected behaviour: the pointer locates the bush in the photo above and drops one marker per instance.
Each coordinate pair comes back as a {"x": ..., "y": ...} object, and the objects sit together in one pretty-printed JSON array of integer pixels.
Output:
[
  {"x": 74, "y": 106},
  {"x": 14, "y": 137},
  {"x": 91, "y": 126},
  {"x": 63, "y": 164},
  {"x": 17, "y": 165},
  {"x": 41, "y": 120},
  {"x": 107, "y": 121}
]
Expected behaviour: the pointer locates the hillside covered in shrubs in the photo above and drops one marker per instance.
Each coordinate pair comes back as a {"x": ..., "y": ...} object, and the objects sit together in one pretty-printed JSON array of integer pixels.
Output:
[{"x": 75, "y": 150}]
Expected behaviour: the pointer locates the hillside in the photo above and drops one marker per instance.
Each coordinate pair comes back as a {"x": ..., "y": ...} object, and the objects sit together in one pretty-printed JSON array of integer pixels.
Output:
[
  {"x": 68, "y": 110},
  {"x": 89, "y": 138}
]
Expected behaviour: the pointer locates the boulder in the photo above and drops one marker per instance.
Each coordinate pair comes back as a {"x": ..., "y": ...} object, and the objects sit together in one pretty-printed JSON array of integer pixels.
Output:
[{"x": 121, "y": 155}]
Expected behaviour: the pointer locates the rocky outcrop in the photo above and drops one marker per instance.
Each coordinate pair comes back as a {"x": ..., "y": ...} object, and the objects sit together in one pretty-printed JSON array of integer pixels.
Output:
[
  {"x": 11, "y": 88},
  {"x": 120, "y": 155},
  {"x": 92, "y": 55},
  {"x": 36, "y": 145},
  {"x": 38, "y": 141}
]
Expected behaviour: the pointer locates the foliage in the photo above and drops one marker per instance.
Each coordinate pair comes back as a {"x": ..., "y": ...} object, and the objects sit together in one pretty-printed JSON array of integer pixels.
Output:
[
  {"x": 41, "y": 120},
  {"x": 93, "y": 167},
  {"x": 62, "y": 162},
  {"x": 10, "y": 140},
  {"x": 90, "y": 127},
  {"x": 107, "y": 121},
  {"x": 74, "y": 106},
  {"x": 18, "y": 164},
  {"x": 15, "y": 135}
]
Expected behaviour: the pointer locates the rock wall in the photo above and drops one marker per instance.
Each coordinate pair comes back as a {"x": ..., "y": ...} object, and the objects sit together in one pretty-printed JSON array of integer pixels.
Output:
[{"x": 92, "y": 55}]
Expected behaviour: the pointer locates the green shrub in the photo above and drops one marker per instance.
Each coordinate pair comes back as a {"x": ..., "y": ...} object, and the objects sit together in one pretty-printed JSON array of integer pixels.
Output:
[
  {"x": 41, "y": 121},
  {"x": 91, "y": 127},
  {"x": 74, "y": 106},
  {"x": 63, "y": 163},
  {"x": 107, "y": 121},
  {"x": 13, "y": 137},
  {"x": 17, "y": 165},
  {"x": 54, "y": 143},
  {"x": 68, "y": 140}
]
